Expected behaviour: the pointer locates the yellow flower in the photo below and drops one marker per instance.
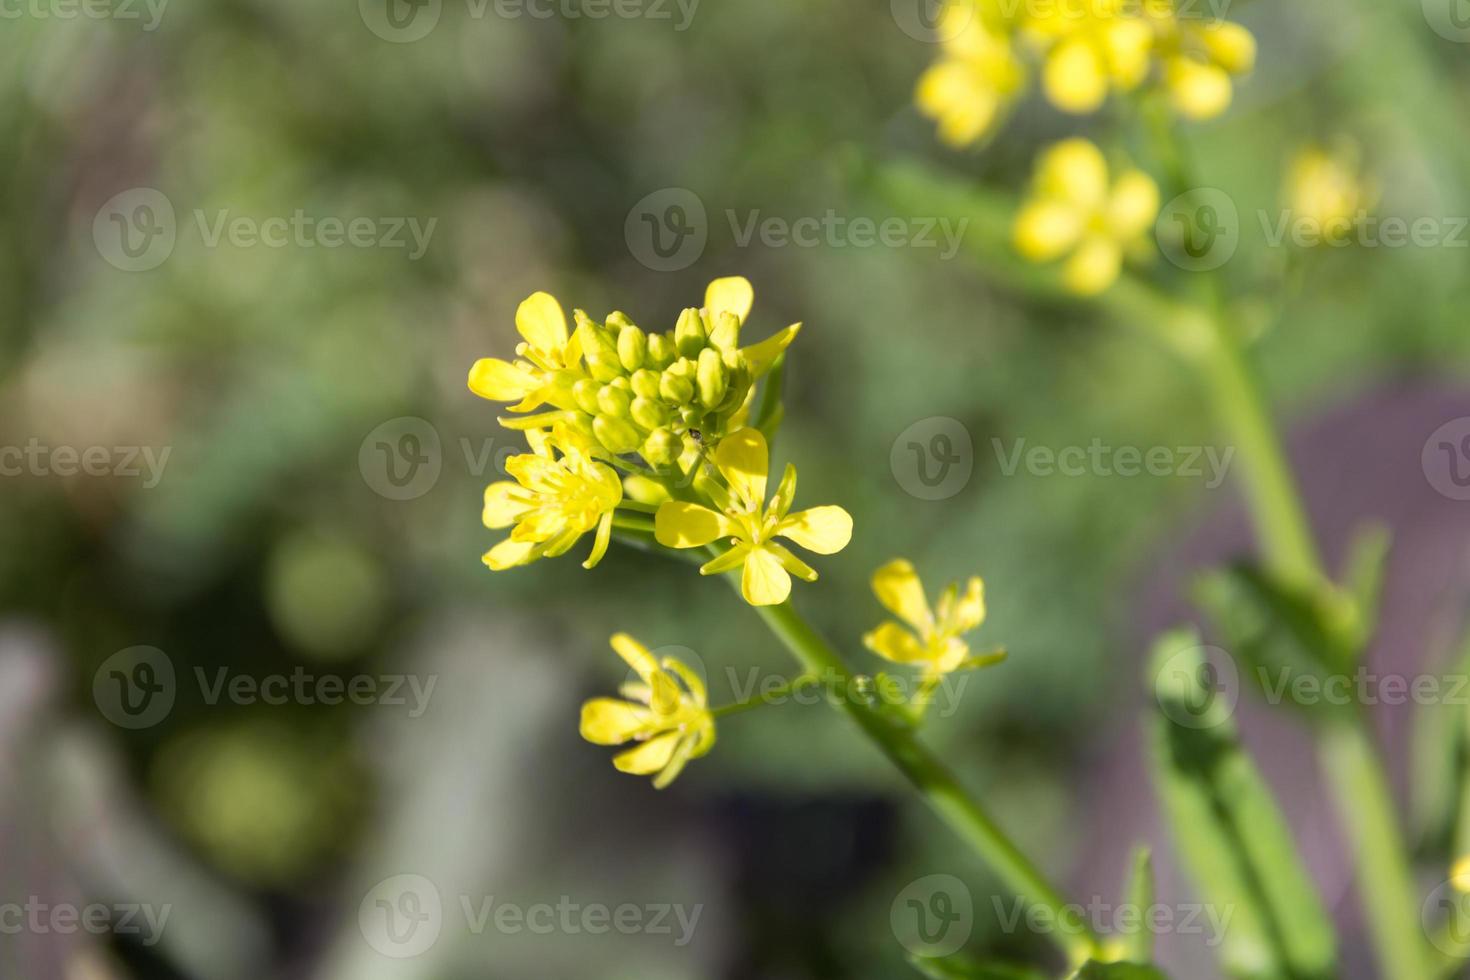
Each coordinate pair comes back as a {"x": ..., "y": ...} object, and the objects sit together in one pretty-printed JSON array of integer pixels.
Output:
[
  {"x": 976, "y": 77},
  {"x": 1199, "y": 58},
  {"x": 1090, "y": 46},
  {"x": 1074, "y": 212},
  {"x": 1460, "y": 875},
  {"x": 932, "y": 640},
  {"x": 547, "y": 351},
  {"x": 558, "y": 494},
  {"x": 666, "y": 714},
  {"x": 743, "y": 459},
  {"x": 1325, "y": 189}
]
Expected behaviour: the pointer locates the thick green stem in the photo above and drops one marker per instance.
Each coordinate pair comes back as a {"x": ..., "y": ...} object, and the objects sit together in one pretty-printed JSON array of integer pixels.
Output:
[
  {"x": 1386, "y": 887},
  {"x": 939, "y": 787},
  {"x": 1355, "y": 772}
]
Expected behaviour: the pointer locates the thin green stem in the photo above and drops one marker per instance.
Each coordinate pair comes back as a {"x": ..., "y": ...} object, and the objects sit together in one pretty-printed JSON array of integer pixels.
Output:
[
  {"x": 939, "y": 787},
  {"x": 789, "y": 687}
]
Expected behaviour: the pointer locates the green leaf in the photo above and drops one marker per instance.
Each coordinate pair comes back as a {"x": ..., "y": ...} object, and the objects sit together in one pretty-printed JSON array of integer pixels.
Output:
[
  {"x": 1229, "y": 830},
  {"x": 1363, "y": 580},
  {"x": 1139, "y": 893},
  {"x": 1441, "y": 769},
  {"x": 969, "y": 968}
]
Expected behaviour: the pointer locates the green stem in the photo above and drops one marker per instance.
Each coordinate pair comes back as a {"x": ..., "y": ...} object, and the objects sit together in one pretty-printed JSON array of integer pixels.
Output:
[
  {"x": 939, "y": 787},
  {"x": 789, "y": 687}
]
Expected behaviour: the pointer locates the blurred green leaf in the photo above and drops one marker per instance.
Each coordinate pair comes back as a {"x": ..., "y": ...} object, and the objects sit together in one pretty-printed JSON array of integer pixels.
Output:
[
  {"x": 1232, "y": 835},
  {"x": 968, "y": 968},
  {"x": 1117, "y": 971},
  {"x": 1139, "y": 893}
]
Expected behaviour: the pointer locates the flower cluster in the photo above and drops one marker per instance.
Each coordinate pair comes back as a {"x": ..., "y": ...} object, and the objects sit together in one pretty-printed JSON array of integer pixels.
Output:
[
  {"x": 931, "y": 639},
  {"x": 1075, "y": 210},
  {"x": 1084, "y": 49}
]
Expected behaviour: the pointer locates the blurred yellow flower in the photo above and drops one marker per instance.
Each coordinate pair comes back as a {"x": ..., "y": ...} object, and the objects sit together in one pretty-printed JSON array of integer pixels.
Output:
[
  {"x": 1074, "y": 211},
  {"x": 666, "y": 714},
  {"x": 976, "y": 76},
  {"x": 558, "y": 494},
  {"x": 1199, "y": 58},
  {"x": 1325, "y": 190},
  {"x": 743, "y": 459},
  {"x": 932, "y": 639},
  {"x": 1089, "y": 47},
  {"x": 1460, "y": 875}
]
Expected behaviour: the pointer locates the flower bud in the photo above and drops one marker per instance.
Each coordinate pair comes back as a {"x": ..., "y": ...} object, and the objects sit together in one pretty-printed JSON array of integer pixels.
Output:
[
  {"x": 616, "y": 435},
  {"x": 584, "y": 393},
  {"x": 613, "y": 400},
  {"x": 689, "y": 333},
  {"x": 645, "y": 383},
  {"x": 726, "y": 332},
  {"x": 632, "y": 346},
  {"x": 604, "y": 367},
  {"x": 617, "y": 322},
  {"x": 675, "y": 386},
  {"x": 712, "y": 377},
  {"x": 660, "y": 447},
  {"x": 692, "y": 415},
  {"x": 650, "y": 413},
  {"x": 661, "y": 351}
]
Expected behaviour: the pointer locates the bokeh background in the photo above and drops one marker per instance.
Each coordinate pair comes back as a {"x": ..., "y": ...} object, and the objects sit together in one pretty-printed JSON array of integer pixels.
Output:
[{"x": 312, "y": 505}]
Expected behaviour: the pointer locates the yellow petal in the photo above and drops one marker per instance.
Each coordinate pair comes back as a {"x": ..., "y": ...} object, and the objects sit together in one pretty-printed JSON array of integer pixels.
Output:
[
  {"x": 509, "y": 553},
  {"x": 825, "y": 530},
  {"x": 1074, "y": 78},
  {"x": 728, "y": 562},
  {"x": 969, "y": 612},
  {"x": 791, "y": 563},
  {"x": 760, "y": 356},
  {"x": 636, "y": 656},
  {"x": 683, "y": 752},
  {"x": 892, "y": 642},
  {"x": 1197, "y": 90},
  {"x": 679, "y": 524},
  {"x": 600, "y": 542},
  {"x": 1127, "y": 43},
  {"x": 502, "y": 504},
  {"x": 732, "y": 294},
  {"x": 964, "y": 102},
  {"x": 1133, "y": 205},
  {"x": 744, "y": 461},
  {"x": 1075, "y": 171},
  {"x": 649, "y": 757},
  {"x": 897, "y": 586},
  {"x": 1093, "y": 267},
  {"x": 1230, "y": 46},
  {"x": 1460, "y": 875},
  {"x": 541, "y": 321},
  {"x": 608, "y": 721},
  {"x": 1045, "y": 230},
  {"x": 501, "y": 381},
  {"x": 765, "y": 582}
]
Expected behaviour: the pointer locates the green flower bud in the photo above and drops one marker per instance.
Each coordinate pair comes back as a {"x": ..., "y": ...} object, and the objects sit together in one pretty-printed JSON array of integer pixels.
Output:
[
  {"x": 692, "y": 415},
  {"x": 661, "y": 351},
  {"x": 645, "y": 383},
  {"x": 689, "y": 333},
  {"x": 616, "y": 435},
  {"x": 599, "y": 340},
  {"x": 612, "y": 400},
  {"x": 604, "y": 367},
  {"x": 713, "y": 377},
  {"x": 650, "y": 413},
  {"x": 676, "y": 387},
  {"x": 632, "y": 347},
  {"x": 660, "y": 447},
  {"x": 584, "y": 392},
  {"x": 726, "y": 332},
  {"x": 617, "y": 321}
]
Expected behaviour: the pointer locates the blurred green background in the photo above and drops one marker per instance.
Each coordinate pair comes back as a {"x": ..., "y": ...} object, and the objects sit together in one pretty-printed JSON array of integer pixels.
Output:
[{"x": 272, "y": 541}]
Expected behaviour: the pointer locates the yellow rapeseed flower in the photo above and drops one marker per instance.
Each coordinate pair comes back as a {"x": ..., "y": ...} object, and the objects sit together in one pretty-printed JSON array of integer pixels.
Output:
[
  {"x": 667, "y": 714},
  {"x": 1075, "y": 212},
  {"x": 557, "y": 495},
  {"x": 1325, "y": 189},
  {"x": 1199, "y": 58},
  {"x": 932, "y": 637},
  {"x": 1088, "y": 48},
  {"x": 976, "y": 76},
  {"x": 740, "y": 514}
]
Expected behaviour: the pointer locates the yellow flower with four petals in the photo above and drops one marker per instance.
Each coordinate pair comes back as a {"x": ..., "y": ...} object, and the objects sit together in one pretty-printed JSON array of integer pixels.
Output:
[
  {"x": 752, "y": 526},
  {"x": 931, "y": 638},
  {"x": 666, "y": 713}
]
